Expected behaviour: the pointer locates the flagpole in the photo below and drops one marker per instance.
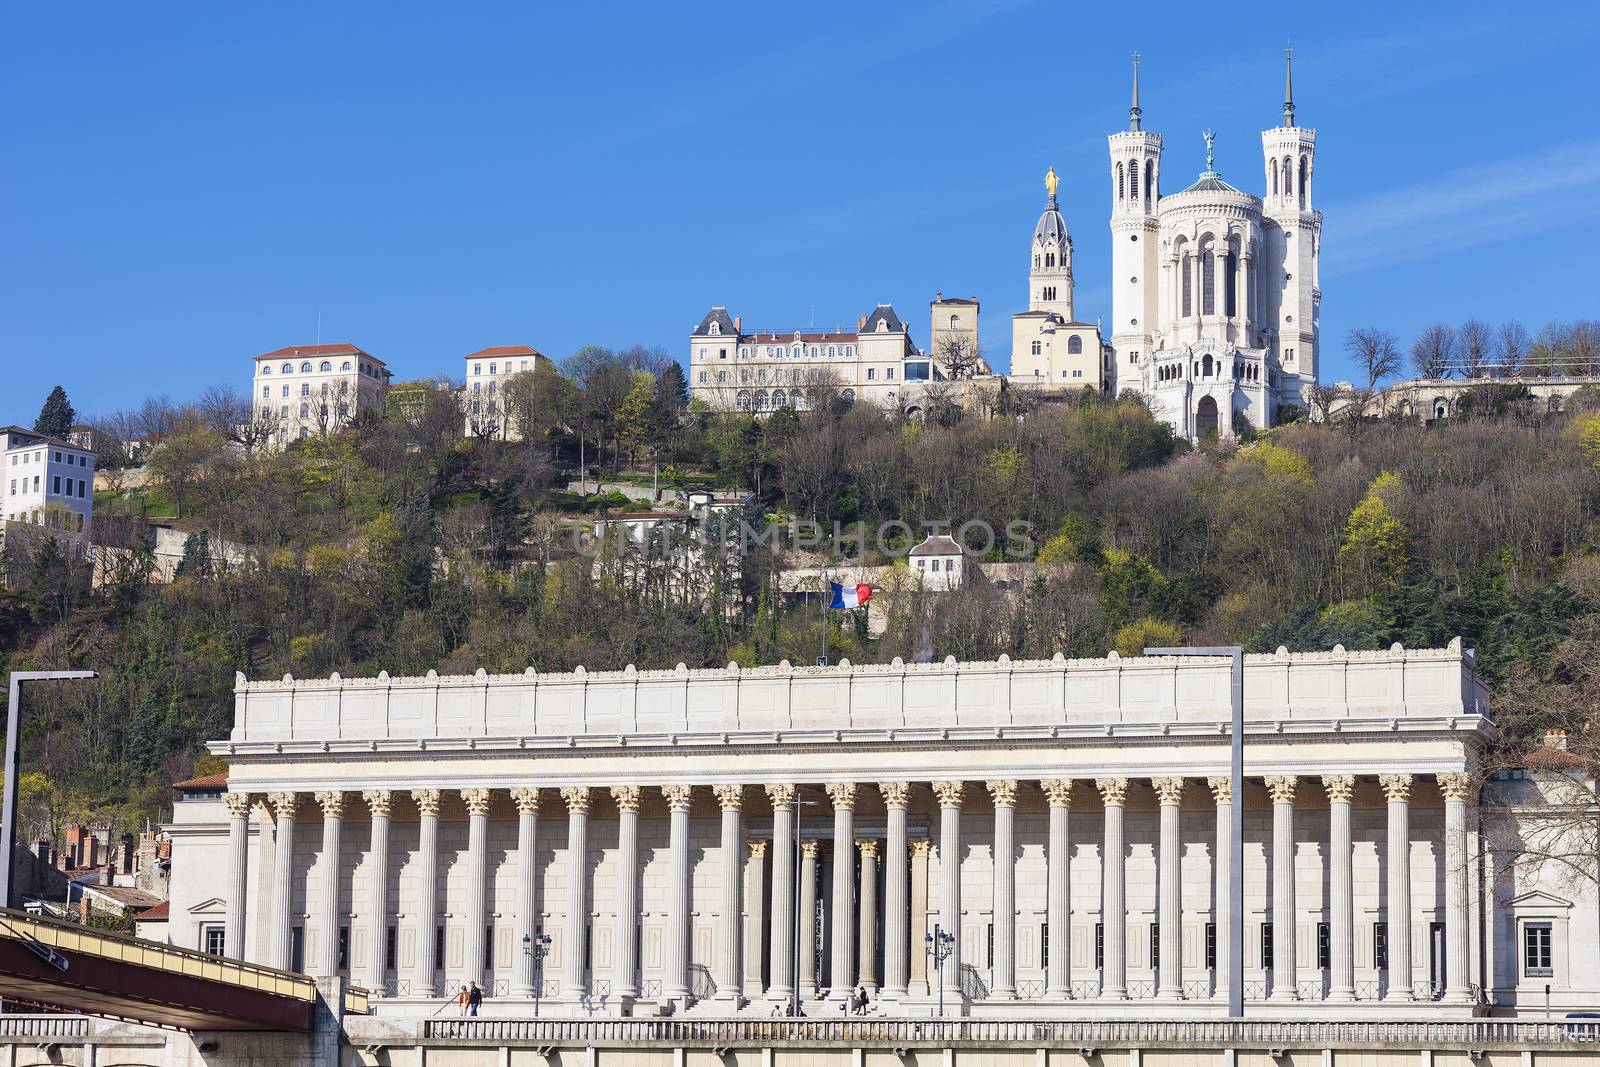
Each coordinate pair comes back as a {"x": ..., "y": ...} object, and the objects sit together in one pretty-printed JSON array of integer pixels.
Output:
[{"x": 827, "y": 599}]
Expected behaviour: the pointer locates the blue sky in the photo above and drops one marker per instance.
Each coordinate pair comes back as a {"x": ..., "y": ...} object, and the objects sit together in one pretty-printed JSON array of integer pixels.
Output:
[{"x": 189, "y": 184}]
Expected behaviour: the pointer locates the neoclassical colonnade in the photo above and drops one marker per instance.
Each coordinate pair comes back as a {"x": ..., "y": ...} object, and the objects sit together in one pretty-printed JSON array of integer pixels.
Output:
[{"x": 747, "y": 937}]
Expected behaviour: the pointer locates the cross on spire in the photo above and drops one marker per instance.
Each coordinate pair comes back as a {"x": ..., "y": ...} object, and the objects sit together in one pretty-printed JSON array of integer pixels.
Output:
[
  {"x": 1133, "y": 111},
  {"x": 1288, "y": 86}
]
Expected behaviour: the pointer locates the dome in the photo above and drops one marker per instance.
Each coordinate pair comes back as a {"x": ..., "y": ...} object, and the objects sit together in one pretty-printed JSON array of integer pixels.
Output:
[
  {"x": 1210, "y": 182},
  {"x": 1051, "y": 226}
]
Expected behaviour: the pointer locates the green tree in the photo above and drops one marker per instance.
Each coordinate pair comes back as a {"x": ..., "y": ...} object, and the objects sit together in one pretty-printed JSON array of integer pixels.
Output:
[
  {"x": 1372, "y": 556},
  {"x": 637, "y": 422},
  {"x": 56, "y": 417}
]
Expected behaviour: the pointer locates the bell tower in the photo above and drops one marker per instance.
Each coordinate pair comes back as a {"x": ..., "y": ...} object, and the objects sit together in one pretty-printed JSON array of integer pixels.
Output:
[
  {"x": 1293, "y": 236},
  {"x": 1050, "y": 275},
  {"x": 1135, "y": 235}
]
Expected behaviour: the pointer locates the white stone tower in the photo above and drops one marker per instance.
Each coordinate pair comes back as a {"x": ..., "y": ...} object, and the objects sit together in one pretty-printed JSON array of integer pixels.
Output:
[
  {"x": 1293, "y": 247},
  {"x": 1135, "y": 239},
  {"x": 1050, "y": 277}
]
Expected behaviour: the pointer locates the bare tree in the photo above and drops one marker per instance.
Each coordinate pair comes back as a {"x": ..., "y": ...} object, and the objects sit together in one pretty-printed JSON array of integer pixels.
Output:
[
  {"x": 1475, "y": 341},
  {"x": 156, "y": 418},
  {"x": 1434, "y": 351},
  {"x": 1377, "y": 353},
  {"x": 1329, "y": 402},
  {"x": 1583, "y": 347},
  {"x": 1512, "y": 346},
  {"x": 959, "y": 355},
  {"x": 818, "y": 387},
  {"x": 1547, "y": 352}
]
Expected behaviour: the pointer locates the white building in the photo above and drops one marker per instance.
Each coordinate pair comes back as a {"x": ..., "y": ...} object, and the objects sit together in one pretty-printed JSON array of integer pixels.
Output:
[
  {"x": 938, "y": 563},
  {"x": 47, "y": 482},
  {"x": 1215, "y": 292},
  {"x": 1050, "y": 348},
  {"x": 304, "y": 390},
  {"x": 731, "y": 370},
  {"x": 489, "y": 370},
  {"x": 1065, "y": 820}
]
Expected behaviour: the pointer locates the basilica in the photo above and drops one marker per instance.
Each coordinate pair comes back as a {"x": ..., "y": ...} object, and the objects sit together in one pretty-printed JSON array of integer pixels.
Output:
[{"x": 1215, "y": 295}]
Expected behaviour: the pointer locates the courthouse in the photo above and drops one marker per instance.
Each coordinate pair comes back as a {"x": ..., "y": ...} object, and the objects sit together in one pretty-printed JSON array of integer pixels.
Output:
[{"x": 715, "y": 842}]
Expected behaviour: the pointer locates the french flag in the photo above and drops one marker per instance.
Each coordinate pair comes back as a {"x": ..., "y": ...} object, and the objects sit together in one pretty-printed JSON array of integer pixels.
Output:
[{"x": 852, "y": 596}]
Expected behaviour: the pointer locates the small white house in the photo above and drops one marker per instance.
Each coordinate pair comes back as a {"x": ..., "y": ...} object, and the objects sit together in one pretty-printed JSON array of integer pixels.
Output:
[
  {"x": 938, "y": 563},
  {"x": 45, "y": 481}
]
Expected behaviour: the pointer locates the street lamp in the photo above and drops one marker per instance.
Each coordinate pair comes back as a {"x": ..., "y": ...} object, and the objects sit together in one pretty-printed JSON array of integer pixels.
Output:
[
  {"x": 1236, "y": 830},
  {"x": 537, "y": 946},
  {"x": 941, "y": 946},
  {"x": 8, "y": 820}
]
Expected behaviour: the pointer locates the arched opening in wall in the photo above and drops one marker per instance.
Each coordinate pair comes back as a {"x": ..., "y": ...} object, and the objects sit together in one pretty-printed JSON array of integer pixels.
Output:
[
  {"x": 1205, "y": 366},
  {"x": 1272, "y": 169},
  {"x": 1074, "y": 345},
  {"x": 1230, "y": 279},
  {"x": 1149, "y": 183},
  {"x": 1205, "y": 417},
  {"x": 1441, "y": 408},
  {"x": 1188, "y": 286},
  {"x": 1301, "y": 184},
  {"x": 1121, "y": 188},
  {"x": 1208, "y": 278},
  {"x": 1133, "y": 180},
  {"x": 1288, "y": 176}
]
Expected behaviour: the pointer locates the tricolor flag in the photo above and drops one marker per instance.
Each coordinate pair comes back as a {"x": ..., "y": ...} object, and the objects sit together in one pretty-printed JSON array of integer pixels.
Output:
[{"x": 850, "y": 596}]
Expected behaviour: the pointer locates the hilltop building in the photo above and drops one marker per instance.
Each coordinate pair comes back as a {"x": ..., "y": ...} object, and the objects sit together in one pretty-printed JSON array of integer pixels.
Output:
[
  {"x": 484, "y": 401},
  {"x": 315, "y": 389}
]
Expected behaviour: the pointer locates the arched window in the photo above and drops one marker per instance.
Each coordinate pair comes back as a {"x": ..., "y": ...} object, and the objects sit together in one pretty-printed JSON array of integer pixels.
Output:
[
  {"x": 1037, "y": 348},
  {"x": 1230, "y": 280},
  {"x": 1288, "y": 176},
  {"x": 715, "y": 328},
  {"x": 1208, "y": 279},
  {"x": 743, "y": 401},
  {"x": 1302, "y": 182},
  {"x": 305, "y": 368},
  {"x": 288, "y": 368},
  {"x": 849, "y": 396},
  {"x": 779, "y": 399},
  {"x": 345, "y": 365},
  {"x": 762, "y": 401},
  {"x": 1074, "y": 345},
  {"x": 1149, "y": 182},
  {"x": 1121, "y": 195},
  {"x": 1133, "y": 181},
  {"x": 1272, "y": 170},
  {"x": 1205, "y": 366},
  {"x": 326, "y": 366},
  {"x": 952, "y": 322},
  {"x": 266, "y": 368},
  {"x": 1188, "y": 287},
  {"x": 1036, "y": 261}
]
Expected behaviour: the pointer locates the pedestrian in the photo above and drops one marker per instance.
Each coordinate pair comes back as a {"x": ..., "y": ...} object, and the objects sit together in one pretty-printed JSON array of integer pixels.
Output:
[
  {"x": 474, "y": 999},
  {"x": 464, "y": 998}
]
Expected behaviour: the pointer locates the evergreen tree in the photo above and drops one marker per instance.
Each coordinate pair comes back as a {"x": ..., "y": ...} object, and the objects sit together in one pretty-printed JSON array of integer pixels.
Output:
[
  {"x": 56, "y": 417},
  {"x": 673, "y": 391}
]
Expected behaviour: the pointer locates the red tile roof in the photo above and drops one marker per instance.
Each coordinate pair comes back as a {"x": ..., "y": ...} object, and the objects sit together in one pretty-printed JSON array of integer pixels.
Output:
[
  {"x": 162, "y": 910},
  {"x": 343, "y": 348},
  {"x": 505, "y": 350},
  {"x": 208, "y": 781}
]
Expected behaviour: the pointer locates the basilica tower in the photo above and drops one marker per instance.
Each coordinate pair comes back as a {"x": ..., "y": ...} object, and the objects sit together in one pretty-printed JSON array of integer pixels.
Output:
[
  {"x": 1135, "y": 237},
  {"x": 1050, "y": 277},
  {"x": 1294, "y": 240}
]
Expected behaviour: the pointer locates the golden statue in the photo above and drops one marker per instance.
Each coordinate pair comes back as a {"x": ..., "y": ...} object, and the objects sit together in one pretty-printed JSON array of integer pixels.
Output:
[{"x": 1050, "y": 182}]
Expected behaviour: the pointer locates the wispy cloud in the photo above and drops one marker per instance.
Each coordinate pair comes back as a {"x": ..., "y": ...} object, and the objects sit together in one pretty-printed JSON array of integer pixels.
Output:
[{"x": 1468, "y": 208}]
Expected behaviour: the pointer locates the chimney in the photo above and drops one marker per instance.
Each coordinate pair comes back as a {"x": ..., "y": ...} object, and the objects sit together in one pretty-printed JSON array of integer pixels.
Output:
[
  {"x": 938, "y": 296},
  {"x": 738, "y": 324},
  {"x": 41, "y": 849},
  {"x": 861, "y": 323},
  {"x": 1556, "y": 739}
]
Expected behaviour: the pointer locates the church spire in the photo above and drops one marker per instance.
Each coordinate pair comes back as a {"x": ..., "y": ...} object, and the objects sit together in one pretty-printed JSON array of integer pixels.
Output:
[
  {"x": 1133, "y": 111},
  {"x": 1288, "y": 87}
]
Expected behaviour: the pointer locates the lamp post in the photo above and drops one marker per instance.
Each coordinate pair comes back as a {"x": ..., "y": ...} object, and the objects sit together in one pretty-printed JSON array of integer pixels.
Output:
[
  {"x": 941, "y": 944},
  {"x": 537, "y": 946},
  {"x": 1236, "y": 829},
  {"x": 8, "y": 821}
]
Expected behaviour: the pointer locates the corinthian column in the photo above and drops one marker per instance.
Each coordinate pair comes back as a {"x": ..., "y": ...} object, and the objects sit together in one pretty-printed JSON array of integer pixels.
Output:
[
  {"x": 528, "y": 925},
  {"x": 1169, "y": 886},
  {"x": 895, "y": 904},
  {"x": 1003, "y": 982},
  {"x": 731, "y": 799},
  {"x": 1113, "y": 893},
  {"x": 808, "y": 920},
  {"x": 918, "y": 940},
  {"x": 423, "y": 982},
  {"x": 477, "y": 801},
  {"x": 574, "y": 983},
  {"x": 238, "y": 871},
  {"x": 868, "y": 930},
  {"x": 755, "y": 917},
  {"x": 1457, "y": 788},
  {"x": 1058, "y": 921},
  {"x": 1284, "y": 986},
  {"x": 1397, "y": 788},
  {"x": 1341, "y": 889},
  {"x": 675, "y": 986},
  {"x": 781, "y": 986},
  {"x": 624, "y": 981},
  {"x": 1222, "y": 885},
  {"x": 284, "y": 806},
  {"x": 949, "y": 794},
  {"x": 332, "y": 803},
  {"x": 840, "y": 940},
  {"x": 379, "y": 802}
]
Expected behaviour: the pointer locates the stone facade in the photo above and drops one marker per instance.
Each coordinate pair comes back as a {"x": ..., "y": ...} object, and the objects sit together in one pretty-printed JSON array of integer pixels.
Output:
[
  {"x": 1102, "y": 782},
  {"x": 315, "y": 389}
]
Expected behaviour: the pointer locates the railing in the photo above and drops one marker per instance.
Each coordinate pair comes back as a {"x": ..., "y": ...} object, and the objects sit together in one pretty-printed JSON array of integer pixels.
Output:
[
  {"x": 1030, "y": 989},
  {"x": 66, "y": 1026},
  {"x": 1471, "y": 1034},
  {"x": 1141, "y": 989},
  {"x": 1197, "y": 989},
  {"x": 1085, "y": 989}
]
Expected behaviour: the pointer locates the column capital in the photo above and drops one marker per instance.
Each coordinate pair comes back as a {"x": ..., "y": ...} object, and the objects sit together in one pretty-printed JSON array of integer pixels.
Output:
[
  {"x": 1058, "y": 791},
  {"x": 1113, "y": 791},
  {"x": 1456, "y": 785},
  {"x": 730, "y": 797},
  {"x": 238, "y": 804},
  {"x": 1281, "y": 787},
  {"x": 1221, "y": 788},
  {"x": 841, "y": 794},
  {"x": 677, "y": 796},
  {"x": 526, "y": 798},
  {"x": 1168, "y": 790},
  {"x": 378, "y": 801},
  {"x": 949, "y": 793},
  {"x": 920, "y": 847},
  {"x": 284, "y": 805},
  {"x": 1396, "y": 786},
  {"x": 781, "y": 794},
  {"x": 808, "y": 849},
  {"x": 1340, "y": 787},
  {"x": 1004, "y": 792},
  {"x": 895, "y": 794},
  {"x": 577, "y": 798},
  {"x": 332, "y": 802},
  {"x": 758, "y": 849},
  {"x": 626, "y": 796},
  {"x": 427, "y": 801},
  {"x": 868, "y": 847},
  {"x": 476, "y": 800}
]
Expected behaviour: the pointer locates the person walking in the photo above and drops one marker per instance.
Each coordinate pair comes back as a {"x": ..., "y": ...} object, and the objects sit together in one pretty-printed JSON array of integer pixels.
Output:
[
  {"x": 463, "y": 998},
  {"x": 474, "y": 999}
]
